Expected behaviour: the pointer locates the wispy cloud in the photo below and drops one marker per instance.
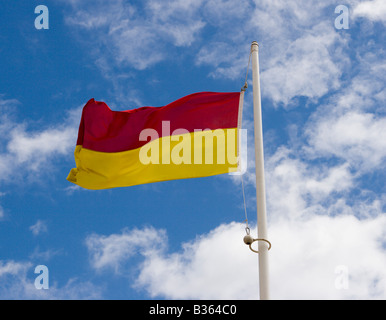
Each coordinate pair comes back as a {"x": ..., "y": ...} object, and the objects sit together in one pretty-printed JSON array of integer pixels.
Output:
[
  {"x": 114, "y": 250},
  {"x": 218, "y": 265},
  {"x": 24, "y": 152},
  {"x": 1, "y": 208},
  {"x": 352, "y": 127},
  {"x": 374, "y": 10},
  {"x": 137, "y": 35},
  {"x": 295, "y": 187},
  {"x": 300, "y": 51},
  {"x": 39, "y": 227},
  {"x": 303, "y": 54},
  {"x": 17, "y": 284}
]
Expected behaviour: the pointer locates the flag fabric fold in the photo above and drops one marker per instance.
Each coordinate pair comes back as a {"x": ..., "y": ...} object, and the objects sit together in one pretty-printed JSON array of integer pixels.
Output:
[{"x": 195, "y": 136}]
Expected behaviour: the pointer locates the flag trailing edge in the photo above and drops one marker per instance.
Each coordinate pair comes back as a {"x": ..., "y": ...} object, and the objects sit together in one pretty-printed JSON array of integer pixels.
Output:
[{"x": 194, "y": 136}]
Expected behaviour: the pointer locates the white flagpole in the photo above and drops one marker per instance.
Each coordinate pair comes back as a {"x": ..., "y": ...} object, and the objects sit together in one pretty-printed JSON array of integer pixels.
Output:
[{"x": 260, "y": 181}]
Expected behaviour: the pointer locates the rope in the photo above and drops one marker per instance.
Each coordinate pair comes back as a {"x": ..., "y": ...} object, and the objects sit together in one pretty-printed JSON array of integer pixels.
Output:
[
  {"x": 245, "y": 206},
  {"x": 246, "y": 76},
  {"x": 244, "y": 88}
]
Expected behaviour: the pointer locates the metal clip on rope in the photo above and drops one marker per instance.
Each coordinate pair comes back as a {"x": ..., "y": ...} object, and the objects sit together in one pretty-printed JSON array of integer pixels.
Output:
[{"x": 249, "y": 240}]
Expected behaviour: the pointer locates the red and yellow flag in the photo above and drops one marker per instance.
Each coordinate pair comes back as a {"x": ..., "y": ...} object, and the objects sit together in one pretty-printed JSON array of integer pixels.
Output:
[{"x": 195, "y": 136}]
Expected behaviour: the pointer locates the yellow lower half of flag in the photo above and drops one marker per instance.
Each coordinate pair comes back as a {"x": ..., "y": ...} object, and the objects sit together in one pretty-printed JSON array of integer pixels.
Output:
[{"x": 187, "y": 155}]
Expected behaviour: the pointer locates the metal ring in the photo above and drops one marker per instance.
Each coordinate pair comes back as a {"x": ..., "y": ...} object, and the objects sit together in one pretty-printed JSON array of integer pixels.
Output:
[{"x": 269, "y": 244}]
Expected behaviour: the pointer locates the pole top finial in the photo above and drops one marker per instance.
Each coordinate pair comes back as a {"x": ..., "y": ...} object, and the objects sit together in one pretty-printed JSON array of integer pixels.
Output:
[{"x": 254, "y": 46}]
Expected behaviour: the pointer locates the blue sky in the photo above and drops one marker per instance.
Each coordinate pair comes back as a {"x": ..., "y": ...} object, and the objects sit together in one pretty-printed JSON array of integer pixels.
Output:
[{"x": 324, "y": 121}]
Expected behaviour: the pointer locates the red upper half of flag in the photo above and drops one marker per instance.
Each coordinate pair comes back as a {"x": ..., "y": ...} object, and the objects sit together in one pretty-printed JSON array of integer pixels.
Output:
[{"x": 104, "y": 130}]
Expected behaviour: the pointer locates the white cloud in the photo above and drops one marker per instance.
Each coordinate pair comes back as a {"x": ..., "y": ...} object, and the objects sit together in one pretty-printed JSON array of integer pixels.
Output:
[
  {"x": 1, "y": 208},
  {"x": 28, "y": 155},
  {"x": 24, "y": 152},
  {"x": 35, "y": 147},
  {"x": 39, "y": 227},
  {"x": 360, "y": 138},
  {"x": 304, "y": 260},
  {"x": 46, "y": 255},
  {"x": 220, "y": 12},
  {"x": 116, "y": 31},
  {"x": 301, "y": 54},
  {"x": 178, "y": 20},
  {"x": 305, "y": 68},
  {"x": 217, "y": 265},
  {"x": 351, "y": 126},
  {"x": 113, "y": 250},
  {"x": 227, "y": 59},
  {"x": 16, "y": 284},
  {"x": 137, "y": 35},
  {"x": 12, "y": 267},
  {"x": 305, "y": 269},
  {"x": 374, "y": 10},
  {"x": 295, "y": 187}
]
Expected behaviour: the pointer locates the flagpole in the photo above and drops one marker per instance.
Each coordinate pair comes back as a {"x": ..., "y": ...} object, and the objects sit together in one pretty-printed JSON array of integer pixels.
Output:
[{"x": 260, "y": 181}]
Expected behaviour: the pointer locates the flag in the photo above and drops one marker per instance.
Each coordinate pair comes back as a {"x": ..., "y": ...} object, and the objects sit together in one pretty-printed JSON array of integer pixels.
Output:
[{"x": 194, "y": 136}]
